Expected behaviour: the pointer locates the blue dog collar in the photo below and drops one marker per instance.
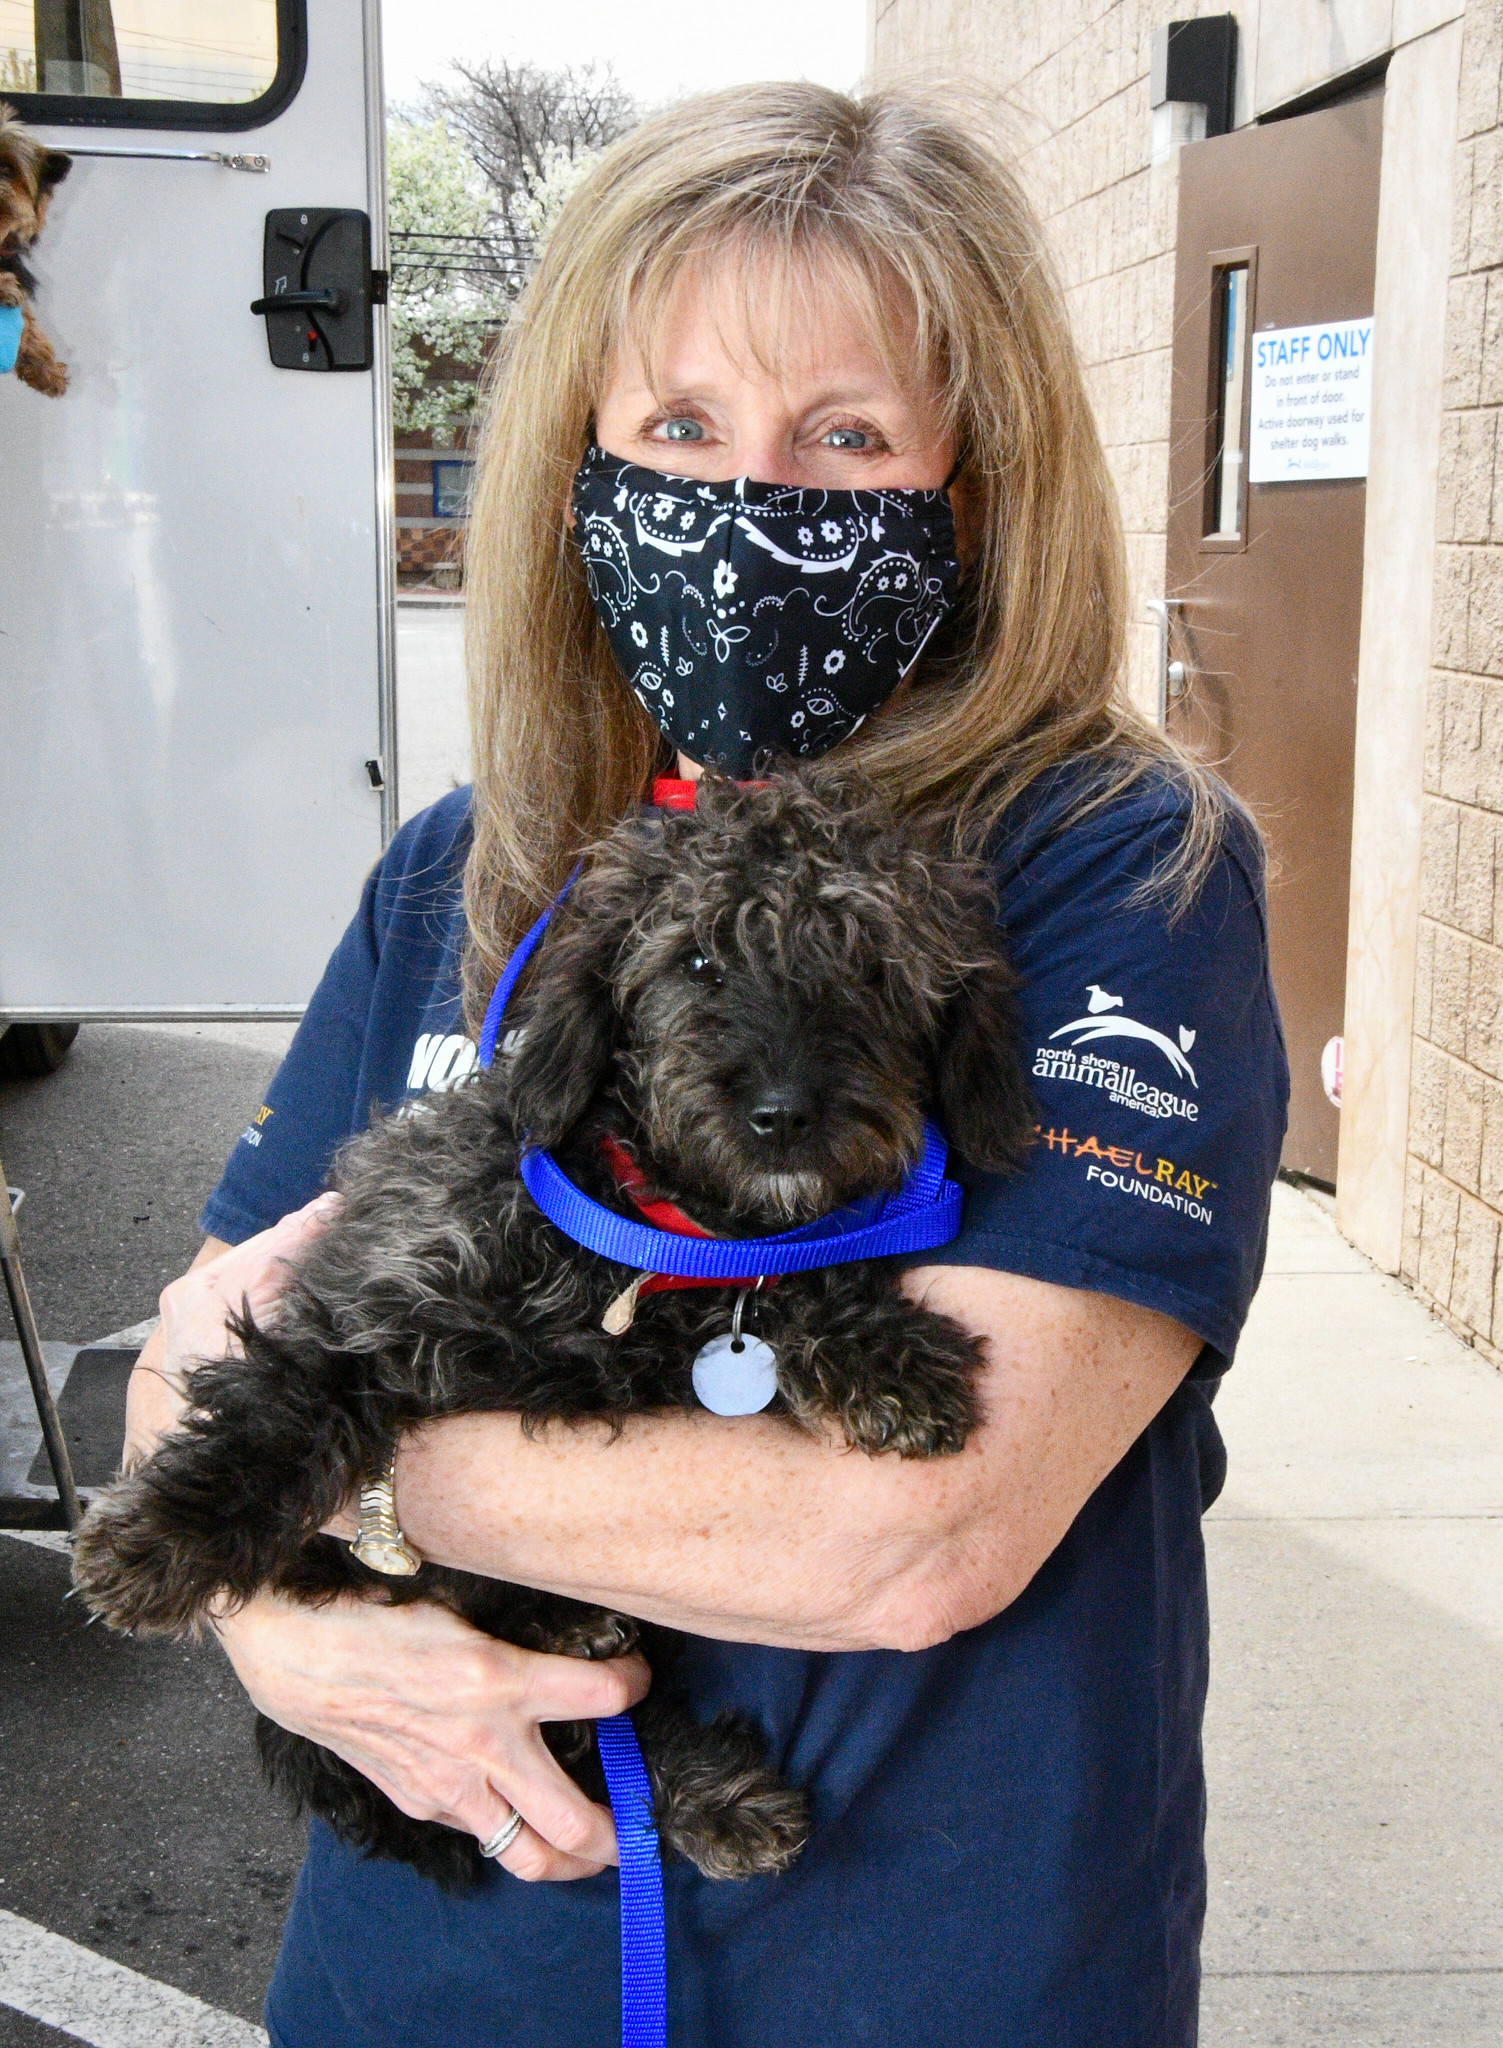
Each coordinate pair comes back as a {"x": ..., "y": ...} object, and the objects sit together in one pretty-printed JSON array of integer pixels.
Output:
[
  {"x": 922, "y": 1215},
  {"x": 924, "y": 1212}
]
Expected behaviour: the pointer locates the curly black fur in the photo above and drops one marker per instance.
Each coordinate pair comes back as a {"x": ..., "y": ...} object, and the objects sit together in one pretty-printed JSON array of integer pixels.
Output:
[{"x": 762, "y": 999}]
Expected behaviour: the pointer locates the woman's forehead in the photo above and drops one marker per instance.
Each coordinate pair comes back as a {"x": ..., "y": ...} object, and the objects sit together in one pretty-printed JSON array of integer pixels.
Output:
[{"x": 751, "y": 315}]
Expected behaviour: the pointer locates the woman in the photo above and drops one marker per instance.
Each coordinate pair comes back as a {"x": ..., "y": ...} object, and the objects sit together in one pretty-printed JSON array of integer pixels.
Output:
[{"x": 989, "y": 1670}]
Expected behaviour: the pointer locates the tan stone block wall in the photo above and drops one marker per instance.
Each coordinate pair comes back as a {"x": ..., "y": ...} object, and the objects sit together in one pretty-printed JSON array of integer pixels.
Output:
[
  {"x": 1454, "y": 1205},
  {"x": 1075, "y": 79}
]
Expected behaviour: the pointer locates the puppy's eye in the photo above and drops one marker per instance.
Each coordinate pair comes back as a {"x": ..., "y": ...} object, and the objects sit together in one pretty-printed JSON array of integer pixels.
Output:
[{"x": 702, "y": 968}]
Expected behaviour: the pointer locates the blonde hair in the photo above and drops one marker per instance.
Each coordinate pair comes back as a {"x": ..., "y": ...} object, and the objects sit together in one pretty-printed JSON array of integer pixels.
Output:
[{"x": 880, "y": 194}]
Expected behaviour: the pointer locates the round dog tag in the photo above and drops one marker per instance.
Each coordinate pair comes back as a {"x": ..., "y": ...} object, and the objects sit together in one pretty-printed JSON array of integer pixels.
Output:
[{"x": 736, "y": 1375}]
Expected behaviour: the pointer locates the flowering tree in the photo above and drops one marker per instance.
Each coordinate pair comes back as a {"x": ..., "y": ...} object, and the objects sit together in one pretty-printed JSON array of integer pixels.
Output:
[
  {"x": 450, "y": 288},
  {"x": 520, "y": 122},
  {"x": 476, "y": 180}
]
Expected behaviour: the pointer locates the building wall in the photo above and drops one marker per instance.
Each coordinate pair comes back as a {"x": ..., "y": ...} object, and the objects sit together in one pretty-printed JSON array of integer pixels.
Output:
[
  {"x": 1454, "y": 1204},
  {"x": 1420, "y": 1185},
  {"x": 429, "y": 549},
  {"x": 1075, "y": 77},
  {"x": 1398, "y": 577}
]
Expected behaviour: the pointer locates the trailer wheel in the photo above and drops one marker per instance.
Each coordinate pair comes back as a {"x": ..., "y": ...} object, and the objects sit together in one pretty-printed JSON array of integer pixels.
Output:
[{"x": 29, "y": 1051}]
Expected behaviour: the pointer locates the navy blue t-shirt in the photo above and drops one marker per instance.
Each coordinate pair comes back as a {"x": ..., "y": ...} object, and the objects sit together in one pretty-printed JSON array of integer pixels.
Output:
[{"x": 1007, "y": 1838}]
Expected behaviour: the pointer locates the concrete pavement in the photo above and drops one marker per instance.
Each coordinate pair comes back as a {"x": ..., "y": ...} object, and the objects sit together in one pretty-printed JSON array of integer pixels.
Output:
[
  {"x": 1353, "y": 1734},
  {"x": 433, "y": 736}
]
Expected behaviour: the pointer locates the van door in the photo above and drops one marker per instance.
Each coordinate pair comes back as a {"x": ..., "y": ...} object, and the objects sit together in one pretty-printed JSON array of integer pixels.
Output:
[
  {"x": 1273, "y": 344},
  {"x": 199, "y": 753}
]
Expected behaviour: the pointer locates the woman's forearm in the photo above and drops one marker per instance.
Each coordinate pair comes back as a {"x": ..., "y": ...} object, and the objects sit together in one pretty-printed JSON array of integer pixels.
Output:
[
  {"x": 747, "y": 1530},
  {"x": 750, "y": 1530}
]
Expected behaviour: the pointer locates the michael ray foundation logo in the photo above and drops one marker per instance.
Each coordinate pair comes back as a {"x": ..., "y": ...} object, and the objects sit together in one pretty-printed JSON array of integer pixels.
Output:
[
  {"x": 1162, "y": 1183},
  {"x": 1116, "y": 1074}
]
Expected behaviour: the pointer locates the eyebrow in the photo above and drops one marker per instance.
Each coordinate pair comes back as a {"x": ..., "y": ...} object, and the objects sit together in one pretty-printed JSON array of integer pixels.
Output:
[{"x": 836, "y": 395}]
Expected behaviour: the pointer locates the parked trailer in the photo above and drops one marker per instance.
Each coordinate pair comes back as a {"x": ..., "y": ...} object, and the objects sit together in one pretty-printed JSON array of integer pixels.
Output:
[
  {"x": 198, "y": 749},
  {"x": 196, "y": 606}
]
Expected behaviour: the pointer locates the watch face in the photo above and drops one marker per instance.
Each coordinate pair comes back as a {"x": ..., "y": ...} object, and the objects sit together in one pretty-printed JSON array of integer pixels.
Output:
[{"x": 386, "y": 1554}]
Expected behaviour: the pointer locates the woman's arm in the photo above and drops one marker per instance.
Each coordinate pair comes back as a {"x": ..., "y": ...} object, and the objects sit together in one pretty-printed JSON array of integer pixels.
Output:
[
  {"x": 445, "y": 1720},
  {"x": 752, "y": 1531}
]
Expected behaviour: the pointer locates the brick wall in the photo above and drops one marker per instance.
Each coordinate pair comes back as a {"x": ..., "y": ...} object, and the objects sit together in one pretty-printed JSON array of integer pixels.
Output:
[
  {"x": 429, "y": 550},
  {"x": 1454, "y": 1182},
  {"x": 431, "y": 554}
]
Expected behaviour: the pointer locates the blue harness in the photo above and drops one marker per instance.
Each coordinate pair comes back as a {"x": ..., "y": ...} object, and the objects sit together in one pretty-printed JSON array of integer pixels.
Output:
[
  {"x": 12, "y": 324},
  {"x": 924, "y": 1213}
]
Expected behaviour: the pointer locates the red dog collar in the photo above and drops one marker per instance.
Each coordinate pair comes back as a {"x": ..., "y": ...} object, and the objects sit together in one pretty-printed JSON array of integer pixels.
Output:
[
  {"x": 673, "y": 793},
  {"x": 630, "y": 1179}
]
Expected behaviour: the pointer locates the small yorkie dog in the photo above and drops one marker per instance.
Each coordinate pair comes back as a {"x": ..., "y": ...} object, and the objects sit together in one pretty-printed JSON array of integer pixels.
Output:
[
  {"x": 29, "y": 174},
  {"x": 755, "y": 1004}
]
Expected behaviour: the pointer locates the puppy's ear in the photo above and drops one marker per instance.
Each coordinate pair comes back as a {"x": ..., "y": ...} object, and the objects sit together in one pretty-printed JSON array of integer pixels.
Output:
[
  {"x": 52, "y": 170},
  {"x": 570, "y": 1035},
  {"x": 984, "y": 1101}
]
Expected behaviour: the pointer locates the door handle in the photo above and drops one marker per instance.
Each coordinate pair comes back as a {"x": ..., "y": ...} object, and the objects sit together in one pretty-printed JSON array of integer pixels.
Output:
[
  {"x": 328, "y": 301},
  {"x": 1172, "y": 675},
  {"x": 318, "y": 288}
]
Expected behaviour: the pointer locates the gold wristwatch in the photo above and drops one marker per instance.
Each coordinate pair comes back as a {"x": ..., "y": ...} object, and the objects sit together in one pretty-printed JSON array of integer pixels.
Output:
[{"x": 380, "y": 1543}]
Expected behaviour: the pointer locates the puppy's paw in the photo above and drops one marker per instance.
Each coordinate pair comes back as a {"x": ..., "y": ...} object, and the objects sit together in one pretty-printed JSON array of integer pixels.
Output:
[
  {"x": 918, "y": 1424},
  {"x": 718, "y": 1804},
  {"x": 37, "y": 366},
  {"x": 51, "y": 379}
]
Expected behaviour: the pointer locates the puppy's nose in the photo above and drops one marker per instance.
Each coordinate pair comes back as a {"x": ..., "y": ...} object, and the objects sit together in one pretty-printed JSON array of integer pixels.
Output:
[{"x": 782, "y": 1114}]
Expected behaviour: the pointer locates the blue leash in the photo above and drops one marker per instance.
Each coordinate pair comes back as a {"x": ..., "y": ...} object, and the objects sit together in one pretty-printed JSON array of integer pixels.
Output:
[
  {"x": 924, "y": 1212},
  {"x": 644, "y": 1970}
]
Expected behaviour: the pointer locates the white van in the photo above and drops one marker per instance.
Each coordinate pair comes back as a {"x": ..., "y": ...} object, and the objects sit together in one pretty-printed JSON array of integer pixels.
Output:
[{"x": 197, "y": 717}]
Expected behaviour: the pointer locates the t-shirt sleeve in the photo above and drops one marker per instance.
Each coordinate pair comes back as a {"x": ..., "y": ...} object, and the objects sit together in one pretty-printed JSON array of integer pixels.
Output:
[
  {"x": 1160, "y": 1085},
  {"x": 283, "y": 1155}
]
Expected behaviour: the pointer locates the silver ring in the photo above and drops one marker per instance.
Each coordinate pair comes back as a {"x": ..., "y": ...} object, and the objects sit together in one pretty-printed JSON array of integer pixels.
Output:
[{"x": 504, "y": 1836}]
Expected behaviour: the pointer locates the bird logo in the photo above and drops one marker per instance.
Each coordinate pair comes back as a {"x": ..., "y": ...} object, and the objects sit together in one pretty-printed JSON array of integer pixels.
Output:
[{"x": 1100, "y": 1022}]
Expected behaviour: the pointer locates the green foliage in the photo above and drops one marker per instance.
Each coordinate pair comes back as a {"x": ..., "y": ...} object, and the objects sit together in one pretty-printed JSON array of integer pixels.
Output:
[{"x": 445, "y": 311}]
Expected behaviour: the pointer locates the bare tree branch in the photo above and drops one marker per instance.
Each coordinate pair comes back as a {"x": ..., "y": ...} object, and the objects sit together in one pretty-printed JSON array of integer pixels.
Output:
[{"x": 515, "y": 119}]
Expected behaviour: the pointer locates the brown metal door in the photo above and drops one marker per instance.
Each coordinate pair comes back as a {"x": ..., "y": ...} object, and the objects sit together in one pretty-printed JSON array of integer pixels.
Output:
[{"x": 1277, "y": 230}]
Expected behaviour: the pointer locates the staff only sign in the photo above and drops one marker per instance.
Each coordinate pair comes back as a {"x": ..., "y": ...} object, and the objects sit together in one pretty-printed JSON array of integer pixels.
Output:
[{"x": 1311, "y": 402}]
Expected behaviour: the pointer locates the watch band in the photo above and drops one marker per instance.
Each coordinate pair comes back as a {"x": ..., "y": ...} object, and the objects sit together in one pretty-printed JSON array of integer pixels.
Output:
[{"x": 380, "y": 1543}]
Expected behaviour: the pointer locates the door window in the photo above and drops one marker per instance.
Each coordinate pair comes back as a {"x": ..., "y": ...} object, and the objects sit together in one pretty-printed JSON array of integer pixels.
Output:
[
  {"x": 213, "y": 63},
  {"x": 451, "y": 490},
  {"x": 1229, "y": 330}
]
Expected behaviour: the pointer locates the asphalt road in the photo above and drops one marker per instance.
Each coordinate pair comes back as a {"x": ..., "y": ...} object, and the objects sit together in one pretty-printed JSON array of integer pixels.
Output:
[
  {"x": 132, "y": 1818},
  {"x": 116, "y": 1152}
]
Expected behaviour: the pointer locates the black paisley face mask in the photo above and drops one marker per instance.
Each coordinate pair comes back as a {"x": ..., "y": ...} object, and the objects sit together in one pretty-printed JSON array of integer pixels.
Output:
[{"x": 752, "y": 618}]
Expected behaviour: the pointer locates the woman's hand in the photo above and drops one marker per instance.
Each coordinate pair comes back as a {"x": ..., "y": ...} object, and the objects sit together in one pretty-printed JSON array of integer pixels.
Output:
[
  {"x": 195, "y": 1309},
  {"x": 443, "y": 1719}
]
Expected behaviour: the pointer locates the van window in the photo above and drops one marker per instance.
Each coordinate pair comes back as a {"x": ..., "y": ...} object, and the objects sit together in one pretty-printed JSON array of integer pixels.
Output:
[{"x": 102, "y": 62}]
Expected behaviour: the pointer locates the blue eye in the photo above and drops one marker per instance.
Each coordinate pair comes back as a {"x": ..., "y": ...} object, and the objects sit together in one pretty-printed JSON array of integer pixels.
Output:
[
  {"x": 847, "y": 437},
  {"x": 683, "y": 430}
]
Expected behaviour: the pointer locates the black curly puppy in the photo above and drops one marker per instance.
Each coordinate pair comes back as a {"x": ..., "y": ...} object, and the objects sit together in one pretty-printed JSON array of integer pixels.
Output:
[{"x": 760, "y": 1000}]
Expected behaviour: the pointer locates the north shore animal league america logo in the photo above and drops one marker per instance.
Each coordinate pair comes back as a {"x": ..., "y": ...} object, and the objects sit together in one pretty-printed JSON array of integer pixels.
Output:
[{"x": 1116, "y": 1077}]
